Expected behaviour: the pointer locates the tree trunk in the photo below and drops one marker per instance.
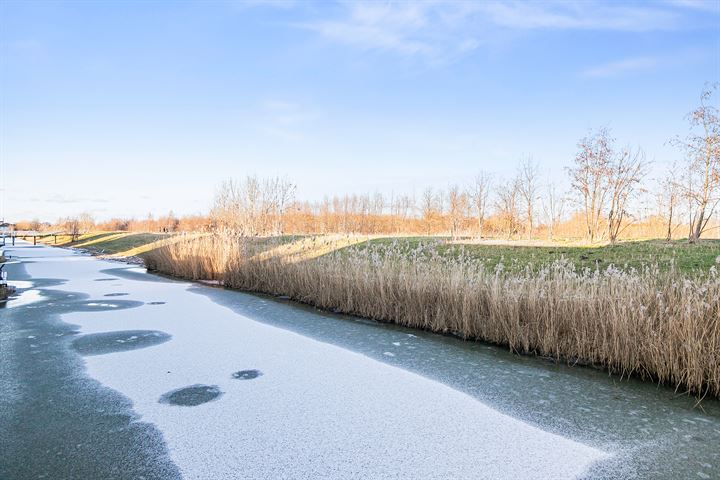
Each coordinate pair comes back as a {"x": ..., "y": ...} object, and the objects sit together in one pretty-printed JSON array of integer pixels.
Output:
[{"x": 697, "y": 228}]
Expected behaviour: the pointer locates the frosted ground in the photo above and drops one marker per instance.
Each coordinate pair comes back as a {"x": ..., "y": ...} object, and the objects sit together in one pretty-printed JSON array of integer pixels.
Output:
[{"x": 229, "y": 385}]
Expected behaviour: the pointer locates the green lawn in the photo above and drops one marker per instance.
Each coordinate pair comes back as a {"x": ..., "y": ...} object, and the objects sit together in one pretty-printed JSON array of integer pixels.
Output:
[
  {"x": 107, "y": 242},
  {"x": 626, "y": 255},
  {"x": 64, "y": 240},
  {"x": 125, "y": 243}
]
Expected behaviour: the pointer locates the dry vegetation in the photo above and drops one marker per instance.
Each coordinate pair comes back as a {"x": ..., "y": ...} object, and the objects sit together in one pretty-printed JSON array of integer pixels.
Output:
[{"x": 655, "y": 324}]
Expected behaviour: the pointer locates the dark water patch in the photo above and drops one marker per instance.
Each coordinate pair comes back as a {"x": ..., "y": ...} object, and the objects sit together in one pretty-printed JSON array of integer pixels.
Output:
[
  {"x": 135, "y": 273},
  {"x": 44, "y": 282},
  {"x": 61, "y": 303},
  {"x": 191, "y": 396},
  {"x": 104, "y": 305},
  {"x": 116, "y": 294},
  {"x": 247, "y": 374},
  {"x": 156, "y": 303},
  {"x": 120, "y": 341},
  {"x": 104, "y": 279},
  {"x": 55, "y": 421}
]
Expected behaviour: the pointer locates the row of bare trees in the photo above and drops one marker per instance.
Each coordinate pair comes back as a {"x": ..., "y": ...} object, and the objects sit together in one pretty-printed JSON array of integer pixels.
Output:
[
  {"x": 607, "y": 184},
  {"x": 86, "y": 223},
  {"x": 605, "y": 180},
  {"x": 253, "y": 206}
]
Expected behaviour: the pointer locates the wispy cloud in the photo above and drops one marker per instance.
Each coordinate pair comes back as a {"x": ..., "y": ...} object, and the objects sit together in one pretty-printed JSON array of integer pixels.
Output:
[
  {"x": 581, "y": 16},
  {"x": 626, "y": 66},
  {"x": 440, "y": 28},
  {"x": 704, "y": 5},
  {"x": 613, "y": 69},
  {"x": 402, "y": 28},
  {"x": 69, "y": 199}
]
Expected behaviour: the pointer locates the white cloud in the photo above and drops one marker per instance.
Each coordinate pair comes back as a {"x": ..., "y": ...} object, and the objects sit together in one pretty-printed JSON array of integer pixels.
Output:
[
  {"x": 402, "y": 28},
  {"x": 627, "y": 65},
  {"x": 630, "y": 65},
  {"x": 580, "y": 16},
  {"x": 705, "y": 5},
  {"x": 370, "y": 37},
  {"x": 440, "y": 29},
  {"x": 70, "y": 199}
]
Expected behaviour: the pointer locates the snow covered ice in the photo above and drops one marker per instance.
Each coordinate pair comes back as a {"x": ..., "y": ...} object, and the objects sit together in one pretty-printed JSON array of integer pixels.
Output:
[{"x": 315, "y": 411}]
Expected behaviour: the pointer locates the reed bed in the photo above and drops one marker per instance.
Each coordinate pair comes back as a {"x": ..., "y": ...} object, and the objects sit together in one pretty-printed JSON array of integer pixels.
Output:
[{"x": 659, "y": 325}]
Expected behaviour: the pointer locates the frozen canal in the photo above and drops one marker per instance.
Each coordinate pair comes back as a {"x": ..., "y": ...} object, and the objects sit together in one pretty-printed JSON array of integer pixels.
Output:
[{"x": 109, "y": 372}]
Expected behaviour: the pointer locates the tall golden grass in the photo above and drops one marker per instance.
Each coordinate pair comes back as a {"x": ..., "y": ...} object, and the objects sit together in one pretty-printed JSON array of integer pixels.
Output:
[{"x": 658, "y": 325}]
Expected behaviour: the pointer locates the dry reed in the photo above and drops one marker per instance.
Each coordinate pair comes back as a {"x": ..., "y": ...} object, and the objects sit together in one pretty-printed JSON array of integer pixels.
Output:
[{"x": 662, "y": 326}]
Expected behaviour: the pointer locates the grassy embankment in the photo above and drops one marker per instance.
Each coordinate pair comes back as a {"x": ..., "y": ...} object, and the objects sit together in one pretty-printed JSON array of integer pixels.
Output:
[
  {"x": 518, "y": 256},
  {"x": 514, "y": 256},
  {"x": 119, "y": 244},
  {"x": 656, "y": 314}
]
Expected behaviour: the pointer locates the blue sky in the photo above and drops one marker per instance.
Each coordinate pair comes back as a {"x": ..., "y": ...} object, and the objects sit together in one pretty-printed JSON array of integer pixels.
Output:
[{"x": 125, "y": 108}]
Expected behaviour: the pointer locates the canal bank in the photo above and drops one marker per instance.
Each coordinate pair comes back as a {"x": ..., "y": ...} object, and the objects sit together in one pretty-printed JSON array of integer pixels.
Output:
[{"x": 338, "y": 397}]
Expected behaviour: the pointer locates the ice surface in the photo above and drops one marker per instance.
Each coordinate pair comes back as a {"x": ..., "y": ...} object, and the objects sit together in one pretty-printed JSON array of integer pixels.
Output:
[
  {"x": 317, "y": 410},
  {"x": 25, "y": 294}
]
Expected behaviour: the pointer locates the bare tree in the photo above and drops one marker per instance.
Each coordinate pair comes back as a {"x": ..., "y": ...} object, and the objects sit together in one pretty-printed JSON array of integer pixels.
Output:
[
  {"x": 226, "y": 206},
  {"x": 252, "y": 206},
  {"x": 281, "y": 193},
  {"x": 702, "y": 173},
  {"x": 168, "y": 223},
  {"x": 554, "y": 206},
  {"x": 457, "y": 209},
  {"x": 625, "y": 171},
  {"x": 402, "y": 208},
  {"x": 428, "y": 209},
  {"x": 86, "y": 222},
  {"x": 669, "y": 196},
  {"x": 590, "y": 177},
  {"x": 478, "y": 196},
  {"x": 34, "y": 225},
  {"x": 71, "y": 225},
  {"x": 507, "y": 206},
  {"x": 528, "y": 189},
  {"x": 377, "y": 205}
]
